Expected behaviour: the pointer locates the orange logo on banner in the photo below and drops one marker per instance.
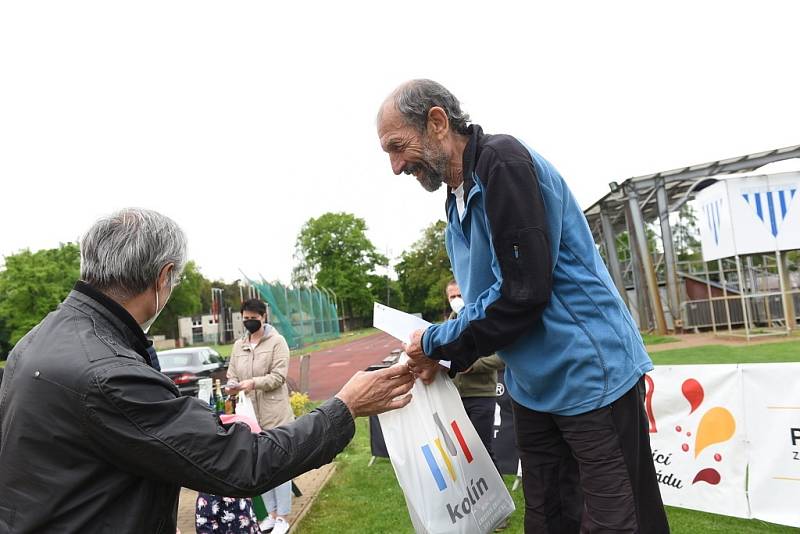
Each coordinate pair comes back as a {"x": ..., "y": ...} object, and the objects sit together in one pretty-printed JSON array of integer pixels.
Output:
[{"x": 716, "y": 426}]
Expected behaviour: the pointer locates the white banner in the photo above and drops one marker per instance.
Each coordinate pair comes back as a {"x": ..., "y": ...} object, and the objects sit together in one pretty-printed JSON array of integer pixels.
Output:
[
  {"x": 714, "y": 221},
  {"x": 697, "y": 435},
  {"x": 750, "y": 215},
  {"x": 773, "y": 429}
]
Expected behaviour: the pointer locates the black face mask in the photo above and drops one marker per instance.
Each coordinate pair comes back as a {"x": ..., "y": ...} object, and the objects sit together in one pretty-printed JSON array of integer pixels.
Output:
[{"x": 252, "y": 325}]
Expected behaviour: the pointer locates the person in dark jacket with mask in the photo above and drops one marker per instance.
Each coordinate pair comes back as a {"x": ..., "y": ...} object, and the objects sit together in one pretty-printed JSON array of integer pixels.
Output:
[
  {"x": 93, "y": 438},
  {"x": 477, "y": 384}
]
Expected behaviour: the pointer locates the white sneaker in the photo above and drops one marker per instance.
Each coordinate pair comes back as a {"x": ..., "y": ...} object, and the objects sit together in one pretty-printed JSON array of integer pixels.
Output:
[
  {"x": 281, "y": 526},
  {"x": 267, "y": 524}
]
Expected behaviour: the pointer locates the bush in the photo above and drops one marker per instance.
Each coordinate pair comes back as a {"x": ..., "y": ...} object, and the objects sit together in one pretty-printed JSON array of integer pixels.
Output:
[{"x": 301, "y": 404}]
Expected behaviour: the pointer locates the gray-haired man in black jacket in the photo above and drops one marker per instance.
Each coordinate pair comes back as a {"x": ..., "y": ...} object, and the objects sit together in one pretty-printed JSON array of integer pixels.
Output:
[{"x": 93, "y": 438}]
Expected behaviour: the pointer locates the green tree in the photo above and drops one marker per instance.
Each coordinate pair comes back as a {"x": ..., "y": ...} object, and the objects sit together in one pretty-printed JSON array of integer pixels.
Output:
[
  {"x": 5, "y": 342},
  {"x": 685, "y": 233},
  {"x": 624, "y": 246},
  {"x": 794, "y": 260},
  {"x": 394, "y": 297},
  {"x": 302, "y": 274},
  {"x": 423, "y": 273},
  {"x": 334, "y": 251},
  {"x": 185, "y": 301},
  {"x": 31, "y": 286},
  {"x": 231, "y": 295}
]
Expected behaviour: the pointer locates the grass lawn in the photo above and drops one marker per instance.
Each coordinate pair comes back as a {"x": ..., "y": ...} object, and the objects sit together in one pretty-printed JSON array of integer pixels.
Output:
[
  {"x": 359, "y": 498},
  {"x": 223, "y": 350},
  {"x": 788, "y": 351},
  {"x": 653, "y": 339},
  {"x": 368, "y": 499},
  {"x": 2, "y": 363}
]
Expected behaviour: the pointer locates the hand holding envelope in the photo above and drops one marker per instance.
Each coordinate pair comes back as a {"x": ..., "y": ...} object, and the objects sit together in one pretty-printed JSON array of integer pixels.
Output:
[
  {"x": 418, "y": 363},
  {"x": 409, "y": 329}
]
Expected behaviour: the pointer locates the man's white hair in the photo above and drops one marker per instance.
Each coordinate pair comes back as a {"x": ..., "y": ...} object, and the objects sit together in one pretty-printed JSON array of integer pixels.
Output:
[{"x": 123, "y": 254}]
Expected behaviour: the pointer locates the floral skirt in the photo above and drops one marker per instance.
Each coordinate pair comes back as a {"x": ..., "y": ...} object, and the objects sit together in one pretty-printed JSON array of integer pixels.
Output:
[{"x": 225, "y": 515}]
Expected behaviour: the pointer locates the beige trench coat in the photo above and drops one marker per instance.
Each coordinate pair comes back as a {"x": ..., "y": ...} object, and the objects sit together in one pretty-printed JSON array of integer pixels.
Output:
[{"x": 267, "y": 365}]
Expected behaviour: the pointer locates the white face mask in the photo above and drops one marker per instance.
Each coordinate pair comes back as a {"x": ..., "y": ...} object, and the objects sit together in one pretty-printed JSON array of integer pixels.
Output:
[
  {"x": 147, "y": 324},
  {"x": 457, "y": 304}
]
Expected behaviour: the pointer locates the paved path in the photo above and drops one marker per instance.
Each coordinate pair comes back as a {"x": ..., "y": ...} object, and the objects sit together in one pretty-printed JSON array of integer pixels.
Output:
[{"x": 331, "y": 368}]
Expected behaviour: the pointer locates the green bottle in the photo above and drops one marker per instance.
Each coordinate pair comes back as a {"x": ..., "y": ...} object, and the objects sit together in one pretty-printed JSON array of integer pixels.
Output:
[{"x": 219, "y": 401}]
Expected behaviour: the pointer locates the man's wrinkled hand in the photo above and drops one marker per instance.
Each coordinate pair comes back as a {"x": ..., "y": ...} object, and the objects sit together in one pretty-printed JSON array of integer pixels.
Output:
[
  {"x": 413, "y": 348},
  {"x": 419, "y": 364},
  {"x": 374, "y": 392},
  {"x": 425, "y": 369}
]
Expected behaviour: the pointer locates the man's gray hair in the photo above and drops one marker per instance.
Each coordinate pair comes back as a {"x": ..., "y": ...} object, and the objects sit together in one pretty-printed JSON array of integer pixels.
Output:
[
  {"x": 123, "y": 254},
  {"x": 414, "y": 99}
]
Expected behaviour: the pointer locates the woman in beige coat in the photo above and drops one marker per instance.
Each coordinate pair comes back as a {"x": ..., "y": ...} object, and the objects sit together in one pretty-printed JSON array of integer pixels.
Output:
[{"x": 258, "y": 366}]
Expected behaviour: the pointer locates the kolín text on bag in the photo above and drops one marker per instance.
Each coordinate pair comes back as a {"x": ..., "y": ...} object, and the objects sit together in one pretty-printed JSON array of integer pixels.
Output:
[{"x": 474, "y": 494}]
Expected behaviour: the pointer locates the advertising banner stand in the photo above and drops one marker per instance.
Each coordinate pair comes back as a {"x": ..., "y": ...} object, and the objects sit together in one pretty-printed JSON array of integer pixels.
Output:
[{"x": 772, "y": 412}]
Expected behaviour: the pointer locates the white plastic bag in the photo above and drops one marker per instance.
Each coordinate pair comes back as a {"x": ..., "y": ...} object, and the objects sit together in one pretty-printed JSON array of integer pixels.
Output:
[
  {"x": 448, "y": 479},
  {"x": 244, "y": 406}
]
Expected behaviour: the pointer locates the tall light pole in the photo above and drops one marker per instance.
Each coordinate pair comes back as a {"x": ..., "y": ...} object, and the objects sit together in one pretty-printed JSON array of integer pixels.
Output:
[
  {"x": 217, "y": 311},
  {"x": 388, "y": 264}
]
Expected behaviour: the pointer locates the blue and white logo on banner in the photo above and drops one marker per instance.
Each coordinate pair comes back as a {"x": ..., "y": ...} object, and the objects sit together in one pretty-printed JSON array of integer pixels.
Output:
[
  {"x": 711, "y": 210},
  {"x": 771, "y": 206}
]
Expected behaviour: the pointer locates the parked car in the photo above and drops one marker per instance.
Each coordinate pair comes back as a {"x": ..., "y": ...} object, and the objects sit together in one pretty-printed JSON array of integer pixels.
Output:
[{"x": 188, "y": 365}]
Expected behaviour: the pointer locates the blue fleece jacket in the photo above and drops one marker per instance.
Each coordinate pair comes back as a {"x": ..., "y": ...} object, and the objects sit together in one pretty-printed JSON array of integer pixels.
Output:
[{"x": 536, "y": 288}]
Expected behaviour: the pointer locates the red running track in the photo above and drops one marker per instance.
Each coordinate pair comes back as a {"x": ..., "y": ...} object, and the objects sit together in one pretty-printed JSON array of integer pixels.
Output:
[{"x": 332, "y": 368}]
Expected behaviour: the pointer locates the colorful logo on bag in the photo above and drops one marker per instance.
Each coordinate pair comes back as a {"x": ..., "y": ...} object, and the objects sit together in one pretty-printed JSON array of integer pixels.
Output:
[
  {"x": 451, "y": 450},
  {"x": 771, "y": 206}
]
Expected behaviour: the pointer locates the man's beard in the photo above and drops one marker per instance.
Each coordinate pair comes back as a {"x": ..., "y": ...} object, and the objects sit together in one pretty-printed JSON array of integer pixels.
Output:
[{"x": 430, "y": 172}]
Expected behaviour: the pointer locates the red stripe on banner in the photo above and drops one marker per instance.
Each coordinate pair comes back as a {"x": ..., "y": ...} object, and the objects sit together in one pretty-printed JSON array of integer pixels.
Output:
[
  {"x": 461, "y": 442},
  {"x": 648, "y": 404}
]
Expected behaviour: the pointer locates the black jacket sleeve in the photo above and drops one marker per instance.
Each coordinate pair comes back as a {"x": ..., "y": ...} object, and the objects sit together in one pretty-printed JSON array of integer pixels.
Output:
[
  {"x": 517, "y": 220},
  {"x": 137, "y": 423}
]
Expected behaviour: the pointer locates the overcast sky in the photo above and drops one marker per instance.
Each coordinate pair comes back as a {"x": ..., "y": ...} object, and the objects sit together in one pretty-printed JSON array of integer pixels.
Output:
[{"x": 241, "y": 120}]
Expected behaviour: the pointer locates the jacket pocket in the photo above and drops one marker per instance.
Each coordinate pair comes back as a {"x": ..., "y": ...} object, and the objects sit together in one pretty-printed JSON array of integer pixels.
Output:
[
  {"x": 524, "y": 257},
  {"x": 276, "y": 395}
]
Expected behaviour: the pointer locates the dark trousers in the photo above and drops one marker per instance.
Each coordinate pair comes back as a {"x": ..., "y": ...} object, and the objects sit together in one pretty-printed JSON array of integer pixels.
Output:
[
  {"x": 590, "y": 473},
  {"x": 480, "y": 411}
]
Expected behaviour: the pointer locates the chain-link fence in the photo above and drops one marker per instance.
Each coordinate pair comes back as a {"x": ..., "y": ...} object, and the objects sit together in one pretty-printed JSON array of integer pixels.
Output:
[{"x": 302, "y": 315}]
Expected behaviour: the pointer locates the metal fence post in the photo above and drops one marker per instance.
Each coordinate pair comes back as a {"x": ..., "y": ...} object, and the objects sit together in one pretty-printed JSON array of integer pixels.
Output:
[{"x": 305, "y": 368}]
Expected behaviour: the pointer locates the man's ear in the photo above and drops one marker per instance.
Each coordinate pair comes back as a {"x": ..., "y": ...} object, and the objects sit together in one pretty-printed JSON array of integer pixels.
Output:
[
  {"x": 165, "y": 275},
  {"x": 438, "y": 124}
]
